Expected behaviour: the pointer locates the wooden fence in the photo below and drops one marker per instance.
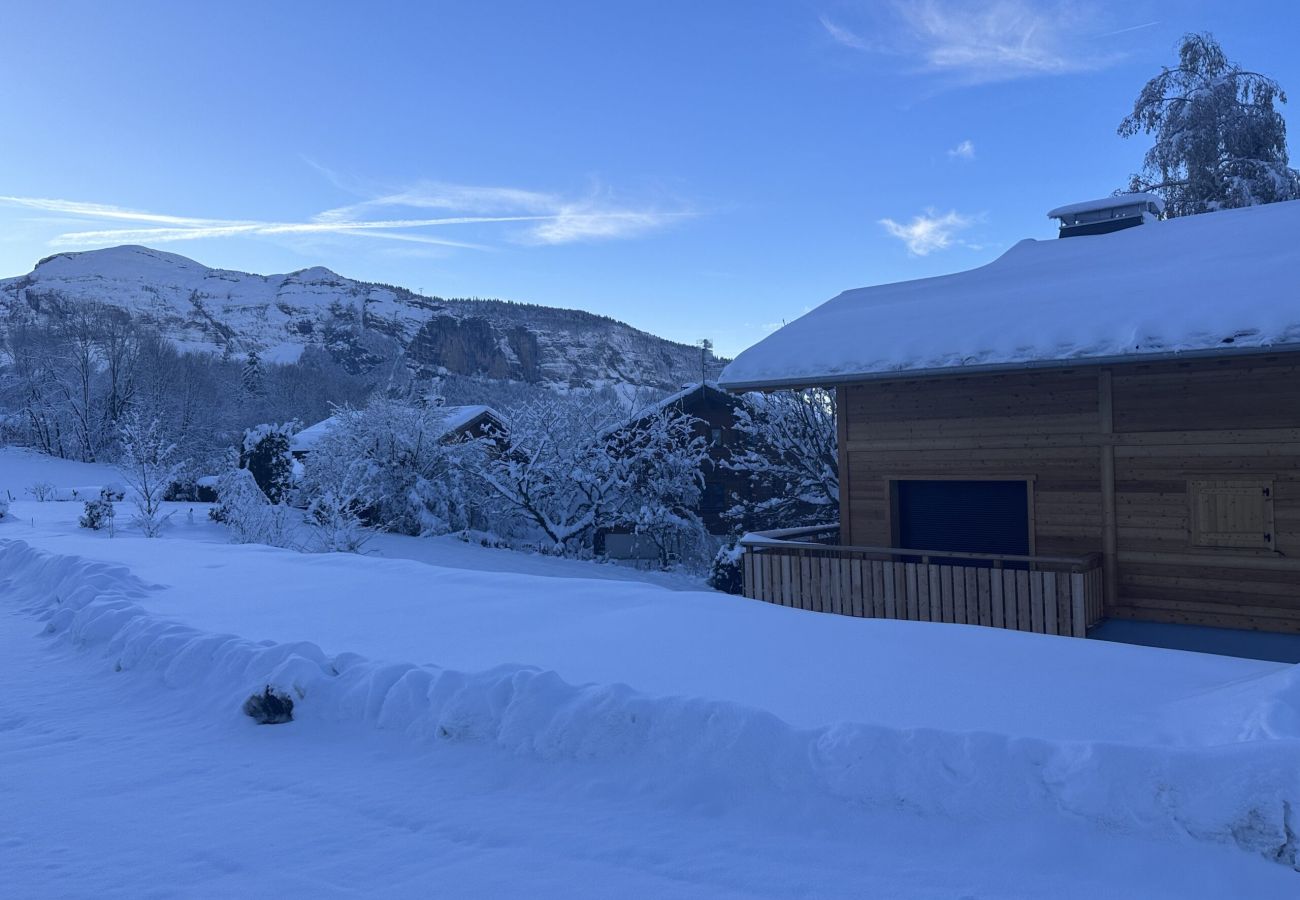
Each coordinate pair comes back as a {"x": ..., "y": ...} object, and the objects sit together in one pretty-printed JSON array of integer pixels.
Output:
[{"x": 1048, "y": 595}]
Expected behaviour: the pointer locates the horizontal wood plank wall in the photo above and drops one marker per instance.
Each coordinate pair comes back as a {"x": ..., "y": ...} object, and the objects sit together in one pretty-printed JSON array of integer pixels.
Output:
[
  {"x": 1180, "y": 422},
  {"x": 1172, "y": 423},
  {"x": 1040, "y": 424},
  {"x": 853, "y": 584}
]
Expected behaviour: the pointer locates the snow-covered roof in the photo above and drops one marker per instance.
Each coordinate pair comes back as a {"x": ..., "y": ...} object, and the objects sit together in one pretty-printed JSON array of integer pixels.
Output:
[
  {"x": 454, "y": 419},
  {"x": 309, "y": 437},
  {"x": 1111, "y": 202},
  {"x": 1216, "y": 283},
  {"x": 682, "y": 395}
]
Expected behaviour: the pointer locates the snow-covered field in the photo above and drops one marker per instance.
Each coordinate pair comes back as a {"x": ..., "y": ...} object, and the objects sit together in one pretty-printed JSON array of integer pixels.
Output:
[{"x": 476, "y": 722}]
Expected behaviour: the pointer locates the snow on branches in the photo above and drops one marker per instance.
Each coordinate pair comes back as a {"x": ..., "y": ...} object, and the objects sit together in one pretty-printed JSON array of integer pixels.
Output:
[
  {"x": 1220, "y": 141},
  {"x": 148, "y": 466},
  {"x": 789, "y": 451},
  {"x": 575, "y": 467},
  {"x": 393, "y": 464}
]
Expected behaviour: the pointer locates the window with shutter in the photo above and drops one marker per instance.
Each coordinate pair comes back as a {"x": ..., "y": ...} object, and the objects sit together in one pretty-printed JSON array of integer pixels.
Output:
[{"x": 1234, "y": 514}]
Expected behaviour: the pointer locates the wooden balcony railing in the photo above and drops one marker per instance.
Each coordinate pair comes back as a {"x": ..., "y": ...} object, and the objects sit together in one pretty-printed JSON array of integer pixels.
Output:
[{"x": 1045, "y": 594}]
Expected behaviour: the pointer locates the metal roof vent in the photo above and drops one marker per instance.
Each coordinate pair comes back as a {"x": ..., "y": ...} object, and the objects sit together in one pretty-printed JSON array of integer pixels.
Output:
[{"x": 1108, "y": 214}]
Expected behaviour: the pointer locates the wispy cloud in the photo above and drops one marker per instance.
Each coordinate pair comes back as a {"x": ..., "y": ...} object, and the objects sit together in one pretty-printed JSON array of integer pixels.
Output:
[
  {"x": 929, "y": 231},
  {"x": 980, "y": 42},
  {"x": 841, "y": 35},
  {"x": 504, "y": 214},
  {"x": 964, "y": 150}
]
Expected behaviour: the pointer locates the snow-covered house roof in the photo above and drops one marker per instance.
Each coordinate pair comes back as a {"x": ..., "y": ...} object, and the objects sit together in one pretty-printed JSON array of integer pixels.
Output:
[
  {"x": 681, "y": 395},
  {"x": 454, "y": 419},
  {"x": 1218, "y": 283}
]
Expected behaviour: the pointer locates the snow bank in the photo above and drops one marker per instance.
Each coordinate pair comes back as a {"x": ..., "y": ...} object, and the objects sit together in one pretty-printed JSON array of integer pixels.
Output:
[
  {"x": 1223, "y": 281},
  {"x": 1240, "y": 794}
]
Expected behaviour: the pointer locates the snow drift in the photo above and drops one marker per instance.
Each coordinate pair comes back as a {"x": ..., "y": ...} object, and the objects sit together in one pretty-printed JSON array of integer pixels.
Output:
[{"x": 1244, "y": 794}]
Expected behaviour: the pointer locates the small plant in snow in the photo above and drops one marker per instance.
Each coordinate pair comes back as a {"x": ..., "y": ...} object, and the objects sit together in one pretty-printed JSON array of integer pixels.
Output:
[
  {"x": 99, "y": 513},
  {"x": 43, "y": 491},
  {"x": 4, "y": 506},
  {"x": 271, "y": 707},
  {"x": 726, "y": 573},
  {"x": 149, "y": 468}
]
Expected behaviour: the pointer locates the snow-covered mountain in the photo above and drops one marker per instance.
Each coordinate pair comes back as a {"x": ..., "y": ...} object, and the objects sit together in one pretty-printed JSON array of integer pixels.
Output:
[{"x": 360, "y": 323}]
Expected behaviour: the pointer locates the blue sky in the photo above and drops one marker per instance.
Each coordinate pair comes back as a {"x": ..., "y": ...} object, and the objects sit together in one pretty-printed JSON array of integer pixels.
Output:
[{"x": 697, "y": 169}]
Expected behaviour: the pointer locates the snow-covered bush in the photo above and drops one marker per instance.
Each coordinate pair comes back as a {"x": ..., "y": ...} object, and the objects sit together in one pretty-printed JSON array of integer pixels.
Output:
[
  {"x": 42, "y": 491},
  {"x": 148, "y": 466},
  {"x": 388, "y": 463},
  {"x": 335, "y": 515},
  {"x": 246, "y": 511},
  {"x": 271, "y": 707},
  {"x": 727, "y": 573},
  {"x": 265, "y": 453},
  {"x": 4, "y": 506},
  {"x": 99, "y": 513}
]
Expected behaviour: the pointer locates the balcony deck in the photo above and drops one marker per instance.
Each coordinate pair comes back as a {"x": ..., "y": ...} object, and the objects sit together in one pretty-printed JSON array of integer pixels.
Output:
[{"x": 805, "y": 568}]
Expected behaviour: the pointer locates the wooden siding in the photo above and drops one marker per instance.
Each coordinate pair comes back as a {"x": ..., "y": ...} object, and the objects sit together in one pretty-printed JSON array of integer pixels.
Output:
[
  {"x": 1149, "y": 430},
  {"x": 979, "y": 428}
]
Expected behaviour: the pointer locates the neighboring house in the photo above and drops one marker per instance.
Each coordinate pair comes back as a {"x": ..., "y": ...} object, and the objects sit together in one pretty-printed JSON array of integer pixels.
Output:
[
  {"x": 1105, "y": 425},
  {"x": 714, "y": 412},
  {"x": 457, "y": 422}
]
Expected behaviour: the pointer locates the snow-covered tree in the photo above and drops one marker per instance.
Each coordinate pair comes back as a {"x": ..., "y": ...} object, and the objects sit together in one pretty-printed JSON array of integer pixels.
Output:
[
  {"x": 661, "y": 458},
  {"x": 148, "y": 466},
  {"x": 265, "y": 452},
  {"x": 251, "y": 377},
  {"x": 788, "y": 448},
  {"x": 575, "y": 466},
  {"x": 392, "y": 462},
  {"x": 1220, "y": 142}
]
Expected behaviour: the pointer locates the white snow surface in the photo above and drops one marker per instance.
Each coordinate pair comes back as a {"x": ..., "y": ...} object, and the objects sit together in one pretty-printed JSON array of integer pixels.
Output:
[
  {"x": 1227, "y": 281},
  {"x": 494, "y": 733}
]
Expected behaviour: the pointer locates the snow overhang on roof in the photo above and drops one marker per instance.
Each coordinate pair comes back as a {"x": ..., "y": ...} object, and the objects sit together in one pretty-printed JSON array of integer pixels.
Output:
[{"x": 1220, "y": 283}]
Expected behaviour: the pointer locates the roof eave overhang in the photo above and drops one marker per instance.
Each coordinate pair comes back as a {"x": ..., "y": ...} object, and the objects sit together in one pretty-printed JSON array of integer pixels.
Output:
[{"x": 831, "y": 379}]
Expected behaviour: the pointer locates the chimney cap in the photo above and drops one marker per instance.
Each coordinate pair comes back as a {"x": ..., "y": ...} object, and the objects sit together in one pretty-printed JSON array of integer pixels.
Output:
[{"x": 1147, "y": 203}]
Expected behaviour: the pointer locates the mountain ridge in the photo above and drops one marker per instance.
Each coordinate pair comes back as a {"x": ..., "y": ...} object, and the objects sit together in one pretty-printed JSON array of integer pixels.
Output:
[{"x": 361, "y": 324}]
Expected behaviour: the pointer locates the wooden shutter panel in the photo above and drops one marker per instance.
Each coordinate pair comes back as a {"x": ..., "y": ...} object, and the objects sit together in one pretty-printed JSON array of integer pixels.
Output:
[{"x": 1232, "y": 513}]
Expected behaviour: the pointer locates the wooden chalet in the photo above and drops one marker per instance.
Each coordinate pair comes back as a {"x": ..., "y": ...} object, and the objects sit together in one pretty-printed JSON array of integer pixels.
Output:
[{"x": 1103, "y": 425}]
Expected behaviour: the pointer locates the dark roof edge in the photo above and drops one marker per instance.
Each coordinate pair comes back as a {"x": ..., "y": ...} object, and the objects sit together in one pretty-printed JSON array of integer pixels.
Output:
[{"x": 809, "y": 381}]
